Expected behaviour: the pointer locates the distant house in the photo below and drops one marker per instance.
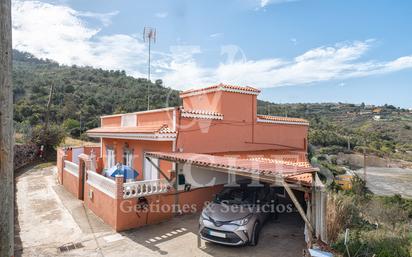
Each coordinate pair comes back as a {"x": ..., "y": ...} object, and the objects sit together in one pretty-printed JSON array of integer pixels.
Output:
[
  {"x": 365, "y": 112},
  {"x": 377, "y": 110},
  {"x": 184, "y": 155}
]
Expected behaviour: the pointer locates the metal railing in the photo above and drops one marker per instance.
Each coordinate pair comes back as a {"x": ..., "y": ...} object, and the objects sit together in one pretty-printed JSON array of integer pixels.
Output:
[
  {"x": 105, "y": 185},
  {"x": 144, "y": 188},
  {"x": 72, "y": 168}
]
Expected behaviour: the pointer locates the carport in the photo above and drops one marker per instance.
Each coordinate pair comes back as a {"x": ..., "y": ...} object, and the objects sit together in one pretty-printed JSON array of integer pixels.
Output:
[{"x": 290, "y": 175}]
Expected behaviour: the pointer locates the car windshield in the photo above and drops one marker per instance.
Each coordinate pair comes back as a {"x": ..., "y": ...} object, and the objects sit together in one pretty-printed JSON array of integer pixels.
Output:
[{"x": 236, "y": 196}]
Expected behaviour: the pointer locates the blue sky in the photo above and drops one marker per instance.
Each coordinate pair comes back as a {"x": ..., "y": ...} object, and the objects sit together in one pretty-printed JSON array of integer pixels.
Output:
[{"x": 294, "y": 50}]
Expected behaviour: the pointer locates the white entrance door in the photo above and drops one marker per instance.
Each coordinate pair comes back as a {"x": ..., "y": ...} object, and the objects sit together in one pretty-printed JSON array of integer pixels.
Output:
[{"x": 149, "y": 171}]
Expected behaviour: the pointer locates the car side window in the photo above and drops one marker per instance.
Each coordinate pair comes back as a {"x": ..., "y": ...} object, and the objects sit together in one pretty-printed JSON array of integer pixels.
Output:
[{"x": 261, "y": 195}]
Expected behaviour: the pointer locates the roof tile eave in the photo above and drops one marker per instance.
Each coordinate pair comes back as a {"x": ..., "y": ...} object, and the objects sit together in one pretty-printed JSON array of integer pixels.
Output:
[
  {"x": 218, "y": 86},
  {"x": 282, "y": 119}
]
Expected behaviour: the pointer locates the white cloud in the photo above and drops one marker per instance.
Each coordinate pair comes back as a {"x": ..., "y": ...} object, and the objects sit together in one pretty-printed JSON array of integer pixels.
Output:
[
  {"x": 161, "y": 15},
  {"x": 58, "y": 33},
  {"x": 341, "y": 61},
  {"x": 216, "y": 35},
  {"x": 105, "y": 18},
  {"x": 264, "y": 3}
]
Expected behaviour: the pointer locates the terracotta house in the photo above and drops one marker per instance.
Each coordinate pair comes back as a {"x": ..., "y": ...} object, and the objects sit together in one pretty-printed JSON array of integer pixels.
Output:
[{"x": 185, "y": 154}]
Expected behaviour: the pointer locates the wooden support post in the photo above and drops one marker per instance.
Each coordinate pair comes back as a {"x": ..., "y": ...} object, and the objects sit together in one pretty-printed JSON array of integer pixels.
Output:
[
  {"x": 298, "y": 206},
  {"x": 6, "y": 134}
]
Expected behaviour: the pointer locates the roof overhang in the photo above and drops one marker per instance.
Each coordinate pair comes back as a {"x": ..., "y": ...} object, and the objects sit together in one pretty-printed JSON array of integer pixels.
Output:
[
  {"x": 220, "y": 87},
  {"x": 135, "y": 136},
  {"x": 255, "y": 169}
]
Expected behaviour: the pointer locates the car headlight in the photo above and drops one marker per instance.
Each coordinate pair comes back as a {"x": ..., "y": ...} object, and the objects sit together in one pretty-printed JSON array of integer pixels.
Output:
[
  {"x": 242, "y": 222},
  {"x": 204, "y": 216}
]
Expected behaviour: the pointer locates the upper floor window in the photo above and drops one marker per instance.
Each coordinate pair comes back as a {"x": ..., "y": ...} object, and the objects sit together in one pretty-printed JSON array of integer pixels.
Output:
[{"x": 129, "y": 120}]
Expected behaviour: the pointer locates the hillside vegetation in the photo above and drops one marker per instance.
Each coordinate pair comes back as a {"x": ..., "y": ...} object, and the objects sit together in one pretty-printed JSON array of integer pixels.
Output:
[
  {"x": 385, "y": 131},
  {"x": 82, "y": 94}
]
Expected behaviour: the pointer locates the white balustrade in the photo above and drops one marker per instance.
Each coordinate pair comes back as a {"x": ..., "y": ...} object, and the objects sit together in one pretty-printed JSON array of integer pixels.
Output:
[
  {"x": 72, "y": 168},
  {"x": 144, "y": 188},
  {"x": 103, "y": 184}
]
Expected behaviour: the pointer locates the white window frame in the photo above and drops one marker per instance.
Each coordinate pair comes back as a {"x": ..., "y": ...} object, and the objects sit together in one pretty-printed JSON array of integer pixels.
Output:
[
  {"x": 128, "y": 120},
  {"x": 128, "y": 157},
  {"x": 110, "y": 157}
]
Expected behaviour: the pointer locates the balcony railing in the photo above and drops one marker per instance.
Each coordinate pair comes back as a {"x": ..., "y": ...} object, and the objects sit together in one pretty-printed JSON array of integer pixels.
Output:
[
  {"x": 72, "y": 168},
  {"x": 144, "y": 188},
  {"x": 106, "y": 185}
]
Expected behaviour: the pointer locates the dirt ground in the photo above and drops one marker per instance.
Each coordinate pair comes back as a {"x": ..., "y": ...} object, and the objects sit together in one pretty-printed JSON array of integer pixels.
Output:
[
  {"x": 51, "y": 222},
  {"x": 388, "y": 181}
]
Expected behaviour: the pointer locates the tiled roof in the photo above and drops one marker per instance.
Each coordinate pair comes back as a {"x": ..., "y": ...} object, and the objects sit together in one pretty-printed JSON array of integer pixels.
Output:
[
  {"x": 201, "y": 114},
  {"x": 222, "y": 87},
  {"x": 284, "y": 160},
  {"x": 243, "y": 166},
  {"x": 279, "y": 119},
  {"x": 166, "y": 130},
  {"x": 304, "y": 179},
  {"x": 160, "y": 129}
]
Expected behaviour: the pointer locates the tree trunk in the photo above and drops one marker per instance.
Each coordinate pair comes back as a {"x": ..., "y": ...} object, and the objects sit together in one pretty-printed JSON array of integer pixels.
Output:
[{"x": 6, "y": 133}]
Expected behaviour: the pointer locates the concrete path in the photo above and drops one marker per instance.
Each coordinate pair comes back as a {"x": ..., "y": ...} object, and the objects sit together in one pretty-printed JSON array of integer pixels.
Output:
[
  {"x": 388, "y": 181},
  {"x": 51, "y": 222}
]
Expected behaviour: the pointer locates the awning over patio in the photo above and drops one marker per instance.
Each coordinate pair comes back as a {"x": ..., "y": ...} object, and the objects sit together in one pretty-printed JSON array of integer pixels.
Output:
[
  {"x": 264, "y": 169},
  {"x": 272, "y": 170}
]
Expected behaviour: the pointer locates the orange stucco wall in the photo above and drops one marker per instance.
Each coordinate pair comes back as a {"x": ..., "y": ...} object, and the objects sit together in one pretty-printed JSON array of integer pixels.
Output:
[
  {"x": 111, "y": 121},
  {"x": 238, "y": 131},
  {"x": 96, "y": 149},
  {"x": 188, "y": 201},
  {"x": 59, "y": 164},
  {"x": 144, "y": 118},
  {"x": 139, "y": 147},
  {"x": 101, "y": 204},
  {"x": 210, "y": 102},
  {"x": 156, "y": 118},
  {"x": 71, "y": 183},
  {"x": 212, "y": 136},
  {"x": 238, "y": 107}
]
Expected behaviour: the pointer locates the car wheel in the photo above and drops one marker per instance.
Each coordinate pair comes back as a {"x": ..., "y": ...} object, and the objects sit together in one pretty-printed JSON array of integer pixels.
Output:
[{"x": 255, "y": 235}]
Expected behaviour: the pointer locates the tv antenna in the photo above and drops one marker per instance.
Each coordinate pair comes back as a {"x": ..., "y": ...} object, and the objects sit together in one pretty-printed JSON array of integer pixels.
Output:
[{"x": 149, "y": 36}]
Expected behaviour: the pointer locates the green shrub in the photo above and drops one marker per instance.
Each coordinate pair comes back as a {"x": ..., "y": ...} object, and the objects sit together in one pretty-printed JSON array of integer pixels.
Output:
[
  {"x": 49, "y": 138},
  {"x": 378, "y": 243},
  {"x": 72, "y": 127},
  {"x": 359, "y": 187},
  {"x": 333, "y": 150},
  {"x": 335, "y": 169}
]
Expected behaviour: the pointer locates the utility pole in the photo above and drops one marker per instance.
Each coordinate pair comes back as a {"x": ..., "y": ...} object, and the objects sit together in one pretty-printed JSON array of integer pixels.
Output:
[
  {"x": 149, "y": 36},
  {"x": 6, "y": 134},
  {"x": 48, "y": 106}
]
